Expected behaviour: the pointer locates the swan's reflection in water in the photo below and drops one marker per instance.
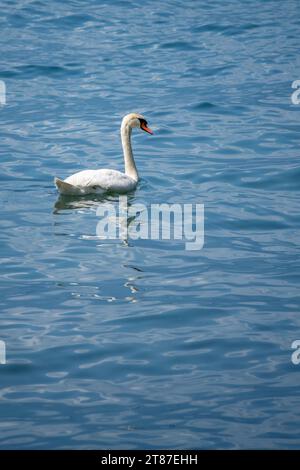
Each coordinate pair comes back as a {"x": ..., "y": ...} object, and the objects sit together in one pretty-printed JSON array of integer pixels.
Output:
[
  {"x": 64, "y": 203},
  {"x": 114, "y": 205},
  {"x": 127, "y": 259}
]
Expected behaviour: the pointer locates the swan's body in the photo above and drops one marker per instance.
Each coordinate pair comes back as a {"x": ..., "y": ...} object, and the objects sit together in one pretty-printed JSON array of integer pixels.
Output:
[
  {"x": 96, "y": 181},
  {"x": 101, "y": 181}
]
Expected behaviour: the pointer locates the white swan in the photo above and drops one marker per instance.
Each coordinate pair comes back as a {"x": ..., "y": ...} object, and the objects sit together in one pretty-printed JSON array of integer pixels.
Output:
[{"x": 100, "y": 181}]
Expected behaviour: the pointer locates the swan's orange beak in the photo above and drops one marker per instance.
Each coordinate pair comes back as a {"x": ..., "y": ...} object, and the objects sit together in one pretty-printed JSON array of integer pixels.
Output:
[{"x": 146, "y": 129}]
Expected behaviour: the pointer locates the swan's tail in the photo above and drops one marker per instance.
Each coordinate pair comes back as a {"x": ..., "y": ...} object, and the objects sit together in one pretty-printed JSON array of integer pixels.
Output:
[{"x": 66, "y": 188}]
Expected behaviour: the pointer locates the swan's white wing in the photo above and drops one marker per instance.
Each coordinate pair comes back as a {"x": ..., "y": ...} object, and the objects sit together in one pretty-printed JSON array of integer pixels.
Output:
[{"x": 101, "y": 181}]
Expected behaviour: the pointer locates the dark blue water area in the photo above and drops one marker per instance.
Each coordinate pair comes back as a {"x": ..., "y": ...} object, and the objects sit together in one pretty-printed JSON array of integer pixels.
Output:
[{"x": 144, "y": 344}]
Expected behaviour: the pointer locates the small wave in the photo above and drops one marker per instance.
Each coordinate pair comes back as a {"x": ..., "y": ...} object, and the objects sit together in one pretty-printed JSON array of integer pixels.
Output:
[
  {"x": 32, "y": 71},
  {"x": 71, "y": 21},
  {"x": 203, "y": 106},
  {"x": 179, "y": 45},
  {"x": 228, "y": 30},
  {"x": 287, "y": 180}
]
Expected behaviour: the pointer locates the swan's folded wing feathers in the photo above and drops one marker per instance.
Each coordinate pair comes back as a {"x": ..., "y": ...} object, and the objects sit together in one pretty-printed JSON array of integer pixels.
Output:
[
  {"x": 103, "y": 180},
  {"x": 92, "y": 181},
  {"x": 86, "y": 179}
]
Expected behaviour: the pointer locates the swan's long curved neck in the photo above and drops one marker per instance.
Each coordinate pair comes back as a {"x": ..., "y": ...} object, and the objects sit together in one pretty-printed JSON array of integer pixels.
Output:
[{"x": 130, "y": 168}]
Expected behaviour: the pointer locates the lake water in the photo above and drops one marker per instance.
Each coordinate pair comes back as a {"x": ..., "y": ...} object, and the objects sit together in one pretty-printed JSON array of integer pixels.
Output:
[{"x": 146, "y": 344}]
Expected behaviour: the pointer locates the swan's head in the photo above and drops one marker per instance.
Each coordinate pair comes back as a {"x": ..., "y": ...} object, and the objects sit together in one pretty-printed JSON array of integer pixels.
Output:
[{"x": 136, "y": 120}]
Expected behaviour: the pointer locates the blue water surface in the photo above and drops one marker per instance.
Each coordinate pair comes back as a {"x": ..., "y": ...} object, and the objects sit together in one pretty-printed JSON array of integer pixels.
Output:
[{"x": 146, "y": 344}]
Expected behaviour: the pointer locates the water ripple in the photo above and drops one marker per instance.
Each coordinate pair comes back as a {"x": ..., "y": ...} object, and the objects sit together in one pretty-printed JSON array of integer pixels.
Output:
[{"x": 142, "y": 344}]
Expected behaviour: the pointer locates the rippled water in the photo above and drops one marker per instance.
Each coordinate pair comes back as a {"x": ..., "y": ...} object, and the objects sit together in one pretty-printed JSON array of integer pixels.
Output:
[{"x": 147, "y": 345}]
